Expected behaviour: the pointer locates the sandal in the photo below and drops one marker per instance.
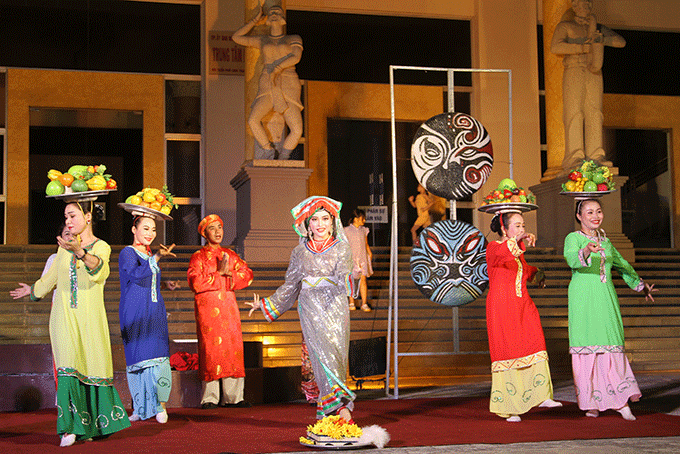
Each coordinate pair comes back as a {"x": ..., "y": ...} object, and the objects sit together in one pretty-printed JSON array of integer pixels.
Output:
[
  {"x": 365, "y": 307},
  {"x": 352, "y": 306}
]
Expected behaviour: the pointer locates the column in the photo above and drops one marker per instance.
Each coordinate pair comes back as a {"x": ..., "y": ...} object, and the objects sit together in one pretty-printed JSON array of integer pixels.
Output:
[
  {"x": 264, "y": 198},
  {"x": 552, "y": 14}
]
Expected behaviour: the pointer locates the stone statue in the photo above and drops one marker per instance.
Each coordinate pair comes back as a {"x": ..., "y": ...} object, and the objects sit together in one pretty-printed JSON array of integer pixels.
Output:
[
  {"x": 279, "y": 87},
  {"x": 581, "y": 40}
]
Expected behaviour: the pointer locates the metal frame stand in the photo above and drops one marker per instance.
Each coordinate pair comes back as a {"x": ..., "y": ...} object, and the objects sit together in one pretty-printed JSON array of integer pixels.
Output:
[{"x": 393, "y": 308}]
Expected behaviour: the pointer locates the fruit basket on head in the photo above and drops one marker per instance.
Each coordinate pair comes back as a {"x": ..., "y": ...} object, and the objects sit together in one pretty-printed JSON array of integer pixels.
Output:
[
  {"x": 150, "y": 202},
  {"x": 508, "y": 198},
  {"x": 79, "y": 184},
  {"x": 589, "y": 180}
]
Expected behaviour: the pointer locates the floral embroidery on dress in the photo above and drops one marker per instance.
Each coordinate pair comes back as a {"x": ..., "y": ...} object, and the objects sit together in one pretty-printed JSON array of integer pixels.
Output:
[
  {"x": 519, "y": 363},
  {"x": 73, "y": 278},
  {"x": 516, "y": 251},
  {"x": 593, "y": 349},
  {"x": 518, "y": 278}
]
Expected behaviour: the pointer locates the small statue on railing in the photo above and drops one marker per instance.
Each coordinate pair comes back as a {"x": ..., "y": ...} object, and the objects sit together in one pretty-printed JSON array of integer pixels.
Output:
[{"x": 279, "y": 87}]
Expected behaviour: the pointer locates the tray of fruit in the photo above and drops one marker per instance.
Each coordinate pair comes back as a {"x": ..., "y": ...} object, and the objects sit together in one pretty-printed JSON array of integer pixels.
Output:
[
  {"x": 333, "y": 432},
  {"x": 156, "y": 203},
  {"x": 80, "y": 183},
  {"x": 588, "y": 181},
  {"x": 508, "y": 197}
]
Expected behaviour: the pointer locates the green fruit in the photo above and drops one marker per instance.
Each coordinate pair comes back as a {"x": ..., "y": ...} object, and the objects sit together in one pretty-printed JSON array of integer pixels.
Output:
[
  {"x": 54, "y": 187},
  {"x": 506, "y": 183},
  {"x": 81, "y": 185},
  {"x": 599, "y": 178},
  {"x": 590, "y": 186},
  {"x": 77, "y": 171},
  {"x": 129, "y": 198}
]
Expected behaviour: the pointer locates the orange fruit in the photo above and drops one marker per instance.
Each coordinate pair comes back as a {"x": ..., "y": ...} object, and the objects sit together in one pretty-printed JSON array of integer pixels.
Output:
[{"x": 66, "y": 179}]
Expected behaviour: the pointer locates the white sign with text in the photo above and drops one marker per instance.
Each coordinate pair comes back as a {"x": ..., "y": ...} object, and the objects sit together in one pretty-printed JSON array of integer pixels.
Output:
[{"x": 376, "y": 214}]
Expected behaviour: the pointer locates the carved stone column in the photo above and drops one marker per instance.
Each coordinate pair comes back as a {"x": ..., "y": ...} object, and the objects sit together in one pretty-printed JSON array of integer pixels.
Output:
[{"x": 552, "y": 14}]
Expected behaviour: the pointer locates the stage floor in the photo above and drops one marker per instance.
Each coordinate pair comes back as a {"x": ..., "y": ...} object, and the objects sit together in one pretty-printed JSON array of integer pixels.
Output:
[
  {"x": 661, "y": 391},
  {"x": 663, "y": 445},
  {"x": 423, "y": 421}
]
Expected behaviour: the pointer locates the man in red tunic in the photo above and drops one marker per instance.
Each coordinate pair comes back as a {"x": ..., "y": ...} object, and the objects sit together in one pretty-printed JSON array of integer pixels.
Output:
[{"x": 214, "y": 273}]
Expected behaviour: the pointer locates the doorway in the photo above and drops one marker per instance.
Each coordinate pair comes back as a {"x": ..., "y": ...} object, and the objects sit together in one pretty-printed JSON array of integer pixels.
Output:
[
  {"x": 60, "y": 138},
  {"x": 360, "y": 172},
  {"x": 646, "y": 198}
]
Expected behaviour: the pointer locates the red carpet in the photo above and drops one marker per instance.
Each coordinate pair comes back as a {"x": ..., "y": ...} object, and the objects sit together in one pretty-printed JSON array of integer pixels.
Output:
[{"x": 276, "y": 428}]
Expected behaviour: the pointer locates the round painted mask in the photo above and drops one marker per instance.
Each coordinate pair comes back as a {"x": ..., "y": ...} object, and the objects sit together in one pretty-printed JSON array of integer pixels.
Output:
[
  {"x": 449, "y": 266},
  {"x": 452, "y": 155}
]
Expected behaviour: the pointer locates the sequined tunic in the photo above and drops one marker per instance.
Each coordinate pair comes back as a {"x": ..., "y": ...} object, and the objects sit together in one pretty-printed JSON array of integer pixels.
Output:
[
  {"x": 218, "y": 320},
  {"x": 320, "y": 283}
]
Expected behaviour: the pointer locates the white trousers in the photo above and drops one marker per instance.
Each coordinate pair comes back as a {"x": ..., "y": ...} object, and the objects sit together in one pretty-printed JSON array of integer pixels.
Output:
[{"x": 232, "y": 391}]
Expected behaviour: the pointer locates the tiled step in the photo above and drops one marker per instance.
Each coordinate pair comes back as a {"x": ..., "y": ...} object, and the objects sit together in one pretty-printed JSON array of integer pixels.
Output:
[{"x": 652, "y": 329}]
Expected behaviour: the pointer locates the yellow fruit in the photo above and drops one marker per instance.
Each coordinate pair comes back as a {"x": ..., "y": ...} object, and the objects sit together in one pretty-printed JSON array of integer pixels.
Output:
[
  {"x": 96, "y": 183},
  {"x": 155, "y": 205},
  {"x": 135, "y": 200},
  {"x": 53, "y": 174},
  {"x": 153, "y": 191},
  {"x": 149, "y": 197},
  {"x": 166, "y": 209},
  {"x": 570, "y": 186}
]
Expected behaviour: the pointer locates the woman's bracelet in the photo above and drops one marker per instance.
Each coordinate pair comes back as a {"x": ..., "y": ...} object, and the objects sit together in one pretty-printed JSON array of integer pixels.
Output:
[{"x": 83, "y": 256}]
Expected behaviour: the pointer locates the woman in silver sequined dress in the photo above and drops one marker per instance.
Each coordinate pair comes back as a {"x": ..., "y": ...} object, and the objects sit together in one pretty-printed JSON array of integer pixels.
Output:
[{"x": 319, "y": 278}]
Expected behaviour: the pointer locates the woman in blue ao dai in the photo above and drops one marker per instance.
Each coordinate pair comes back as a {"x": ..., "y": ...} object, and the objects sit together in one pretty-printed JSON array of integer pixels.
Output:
[{"x": 143, "y": 323}]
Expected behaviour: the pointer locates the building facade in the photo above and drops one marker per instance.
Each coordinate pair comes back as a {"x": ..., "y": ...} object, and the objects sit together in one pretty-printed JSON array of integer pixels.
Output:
[{"x": 203, "y": 146}]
